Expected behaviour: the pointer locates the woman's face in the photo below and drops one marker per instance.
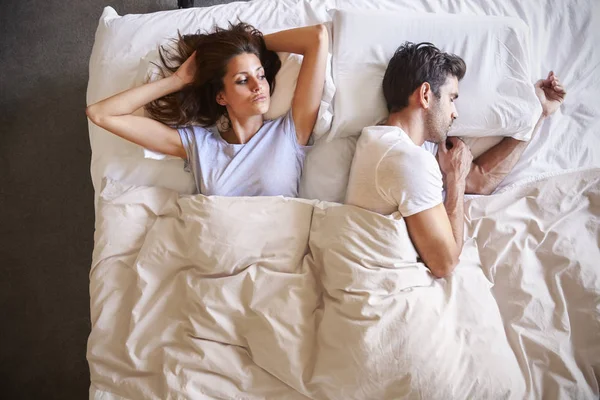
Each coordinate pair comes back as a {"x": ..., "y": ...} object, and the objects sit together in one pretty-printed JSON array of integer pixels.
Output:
[{"x": 245, "y": 88}]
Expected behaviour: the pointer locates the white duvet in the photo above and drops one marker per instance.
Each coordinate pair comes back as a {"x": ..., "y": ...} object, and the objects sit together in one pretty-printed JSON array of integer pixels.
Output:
[{"x": 272, "y": 298}]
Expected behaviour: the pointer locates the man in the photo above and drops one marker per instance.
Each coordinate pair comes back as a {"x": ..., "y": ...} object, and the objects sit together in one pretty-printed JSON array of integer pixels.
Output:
[{"x": 395, "y": 167}]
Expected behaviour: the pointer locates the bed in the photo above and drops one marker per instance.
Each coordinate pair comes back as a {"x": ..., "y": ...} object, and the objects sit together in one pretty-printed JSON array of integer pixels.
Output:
[{"x": 269, "y": 298}]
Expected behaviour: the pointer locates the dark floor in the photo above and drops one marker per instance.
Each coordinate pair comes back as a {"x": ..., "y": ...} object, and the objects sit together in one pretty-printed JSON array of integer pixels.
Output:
[{"x": 46, "y": 197}]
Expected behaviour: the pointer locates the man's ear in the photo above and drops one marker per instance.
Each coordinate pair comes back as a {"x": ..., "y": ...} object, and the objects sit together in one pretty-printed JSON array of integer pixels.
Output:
[
  {"x": 221, "y": 99},
  {"x": 425, "y": 95}
]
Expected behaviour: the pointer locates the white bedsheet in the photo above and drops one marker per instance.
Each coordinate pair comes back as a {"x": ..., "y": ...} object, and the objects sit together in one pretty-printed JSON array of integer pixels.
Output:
[
  {"x": 540, "y": 246},
  {"x": 199, "y": 297}
]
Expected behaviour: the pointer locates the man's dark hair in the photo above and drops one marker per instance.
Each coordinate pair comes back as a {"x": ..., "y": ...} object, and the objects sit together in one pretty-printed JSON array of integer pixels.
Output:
[{"x": 414, "y": 64}]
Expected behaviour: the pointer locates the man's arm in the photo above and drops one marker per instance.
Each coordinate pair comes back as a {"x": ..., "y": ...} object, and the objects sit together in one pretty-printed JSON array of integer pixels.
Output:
[
  {"x": 437, "y": 233},
  {"x": 433, "y": 237},
  {"x": 454, "y": 205},
  {"x": 490, "y": 168}
]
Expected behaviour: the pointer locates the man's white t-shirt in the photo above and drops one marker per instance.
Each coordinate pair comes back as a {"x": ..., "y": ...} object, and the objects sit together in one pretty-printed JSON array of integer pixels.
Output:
[{"x": 391, "y": 173}]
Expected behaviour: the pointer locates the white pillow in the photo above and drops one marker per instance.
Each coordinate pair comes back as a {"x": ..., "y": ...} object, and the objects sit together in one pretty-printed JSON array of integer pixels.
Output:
[
  {"x": 497, "y": 97},
  {"x": 281, "y": 99}
]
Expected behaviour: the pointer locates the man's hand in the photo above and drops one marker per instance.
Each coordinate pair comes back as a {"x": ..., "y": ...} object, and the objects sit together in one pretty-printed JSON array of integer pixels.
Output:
[
  {"x": 551, "y": 93},
  {"x": 438, "y": 238},
  {"x": 455, "y": 161}
]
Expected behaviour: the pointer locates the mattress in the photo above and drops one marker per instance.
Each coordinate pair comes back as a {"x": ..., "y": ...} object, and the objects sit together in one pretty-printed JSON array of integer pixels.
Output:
[{"x": 333, "y": 303}]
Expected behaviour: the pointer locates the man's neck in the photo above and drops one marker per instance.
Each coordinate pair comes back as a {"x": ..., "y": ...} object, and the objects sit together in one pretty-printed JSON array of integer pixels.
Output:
[{"x": 410, "y": 122}]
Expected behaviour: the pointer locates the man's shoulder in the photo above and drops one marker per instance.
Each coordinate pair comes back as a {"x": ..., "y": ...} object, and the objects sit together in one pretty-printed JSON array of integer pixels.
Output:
[
  {"x": 408, "y": 158},
  {"x": 378, "y": 131},
  {"x": 380, "y": 137},
  {"x": 411, "y": 156},
  {"x": 406, "y": 149}
]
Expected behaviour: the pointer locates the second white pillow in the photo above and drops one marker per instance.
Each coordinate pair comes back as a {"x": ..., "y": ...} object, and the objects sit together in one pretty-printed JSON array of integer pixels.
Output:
[{"x": 497, "y": 97}]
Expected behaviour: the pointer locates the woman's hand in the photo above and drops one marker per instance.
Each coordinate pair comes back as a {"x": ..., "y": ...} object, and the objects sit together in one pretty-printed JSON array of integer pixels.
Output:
[
  {"x": 187, "y": 71},
  {"x": 551, "y": 93}
]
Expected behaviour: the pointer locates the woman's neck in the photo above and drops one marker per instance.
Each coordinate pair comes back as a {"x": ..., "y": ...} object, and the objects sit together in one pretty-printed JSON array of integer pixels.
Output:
[{"x": 242, "y": 129}]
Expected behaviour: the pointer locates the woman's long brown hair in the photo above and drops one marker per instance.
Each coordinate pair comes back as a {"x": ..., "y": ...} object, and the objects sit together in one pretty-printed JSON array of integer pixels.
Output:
[{"x": 196, "y": 103}]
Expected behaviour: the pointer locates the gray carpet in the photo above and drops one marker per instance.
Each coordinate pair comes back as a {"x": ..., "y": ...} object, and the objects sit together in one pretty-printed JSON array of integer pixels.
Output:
[{"x": 46, "y": 196}]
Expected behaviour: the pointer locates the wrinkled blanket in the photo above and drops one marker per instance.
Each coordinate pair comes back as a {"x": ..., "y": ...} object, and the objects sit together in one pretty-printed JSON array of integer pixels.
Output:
[{"x": 275, "y": 298}]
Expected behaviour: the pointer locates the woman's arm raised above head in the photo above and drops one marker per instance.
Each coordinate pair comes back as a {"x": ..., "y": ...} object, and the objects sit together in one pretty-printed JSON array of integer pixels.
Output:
[
  {"x": 115, "y": 113},
  {"x": 313, "y": 43}
]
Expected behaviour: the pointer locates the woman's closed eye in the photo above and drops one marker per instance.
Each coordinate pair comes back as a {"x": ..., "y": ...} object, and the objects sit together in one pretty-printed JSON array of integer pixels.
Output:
[{"x": 244, "y": 81}]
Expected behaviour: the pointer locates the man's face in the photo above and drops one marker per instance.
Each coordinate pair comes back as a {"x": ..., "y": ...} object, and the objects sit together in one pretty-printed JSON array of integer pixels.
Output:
[{"x": 442, "y": 112}]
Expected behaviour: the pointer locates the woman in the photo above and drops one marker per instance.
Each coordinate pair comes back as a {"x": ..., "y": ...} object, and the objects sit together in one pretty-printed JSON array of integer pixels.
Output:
[{"x": 228, "y": 77}]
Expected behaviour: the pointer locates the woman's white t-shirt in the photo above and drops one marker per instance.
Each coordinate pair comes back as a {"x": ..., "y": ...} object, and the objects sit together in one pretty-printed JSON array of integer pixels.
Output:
[{"x": 269, "y": 164}]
